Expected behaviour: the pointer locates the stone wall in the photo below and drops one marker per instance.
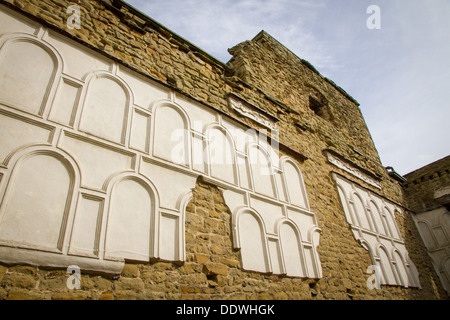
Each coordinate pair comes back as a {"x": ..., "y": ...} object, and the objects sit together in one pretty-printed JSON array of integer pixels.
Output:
[
  {"x": 422, "y": 184},
  {"x": 315, "y": 116},
  {"x": 428, "y": 191}
]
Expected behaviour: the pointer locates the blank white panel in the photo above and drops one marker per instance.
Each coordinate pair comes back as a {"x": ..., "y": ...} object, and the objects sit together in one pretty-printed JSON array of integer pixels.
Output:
[
  {"x": 11, "y": 21},
  {"x": 26, "y": 74},
  {"x": 392, "y": 224},
  {"x": 221, "y": 155},
  {"x": 140, "y": 131},
  {"x": 97, "y": 163},
  {"x": 401, "y": 269},
  {"x": 376, "y": 217},
  {"x": 261, "y": 172},
  {"x": 128, "y": 229},
  {"x": 171, "y": 136},
  {"x": 78, "y": 61},
  {"x": 291, "y": 251},
  {"x": 388, "y": 274},
  {"x": 309, "y": 259},
  {"x": 360, "y": 212},
  {"x": 15, "y": 133},
  {"x": 253, "y": 250},
  {"x": 105, "y": 110},
  {"x": 168, "y": 249},
  {"x": 36, "y": 206},
  {"x": 63, "y": 108},
  {"x": 294, "y": 185},
  {"x": 275, "y": 256},
  {"x": 86, "y": 226},
  {"x": 244, "y": 175}
]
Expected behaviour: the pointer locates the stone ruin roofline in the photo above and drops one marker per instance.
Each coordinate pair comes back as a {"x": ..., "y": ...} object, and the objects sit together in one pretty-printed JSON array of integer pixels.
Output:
[{"x": 144, "y": 23}]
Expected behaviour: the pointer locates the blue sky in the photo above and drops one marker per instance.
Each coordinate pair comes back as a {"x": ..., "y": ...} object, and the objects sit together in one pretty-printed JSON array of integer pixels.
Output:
[{"x": 400, "y": 74}]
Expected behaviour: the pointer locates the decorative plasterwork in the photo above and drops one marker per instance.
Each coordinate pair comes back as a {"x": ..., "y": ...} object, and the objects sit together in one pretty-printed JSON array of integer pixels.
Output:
[
  {"x": 372, "y": 221},
  {"x": 250, "y": 111},
  {"x": 351, "y": 168},
  {"x": 97, "y": 164}
]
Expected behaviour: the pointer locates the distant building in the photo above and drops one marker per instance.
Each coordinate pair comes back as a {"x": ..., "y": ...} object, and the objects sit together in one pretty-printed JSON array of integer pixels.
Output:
[{"x": 428, "y": 192}]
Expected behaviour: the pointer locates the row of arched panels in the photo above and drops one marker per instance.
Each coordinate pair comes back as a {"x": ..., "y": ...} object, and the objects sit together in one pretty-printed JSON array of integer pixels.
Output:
[
  {"x": 373, "y": 224},
  {"x": 369, "y": 212},
  {"x": 102, "y": 105},
  {"x": 44, "y": 208},
  {"x": 283, "y": 252},
  {"x": 395, "y": 265}
]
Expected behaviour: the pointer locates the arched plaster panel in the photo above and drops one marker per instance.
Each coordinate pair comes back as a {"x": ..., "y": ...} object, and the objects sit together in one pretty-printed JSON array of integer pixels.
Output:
[
  {"x": 253, "y": 244},
  {"x": 38, "y": 196},
  {"x": 221, "y": 154},
  {"x": 400, "y": 266},
  {"x": 261, "y": 171},
  {"x": 130, "y": 212},
  {"x": 378, "y": 232},
  {"x": 374, "y": 214},
  {"x": 106, "y": 106},
  {"x": 294, "y": 183},
  {"x": 292, "y": 250},
  {"x": 28, "y": 69},
  {"x": 171, "y": 134},
  {"x": 386, "y": 266},
  {"x": 117, "y": 172}
]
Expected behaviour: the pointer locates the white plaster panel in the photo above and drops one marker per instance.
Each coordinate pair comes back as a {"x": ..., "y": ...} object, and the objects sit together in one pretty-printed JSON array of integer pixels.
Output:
[
  {"x": 97, "y": 161},
  {"x": 303, "y": 221},
  {"x": 78, "y": 62},
  {"x": 221, "y": 155},
  {"x": 14, "y": 22},
  {"x": 140, "y": 131},
  {"x": 169, "y": 230},
  {"x": 129, "y": 221},
  {"x": 86, "y": 228},
  {"x": 290, "y": 242},
  {"x": 378, "y": 232},
  {"x": 65, "y": 104},
  {"x": 294, "y": 185},
  {"x": 275, "y": 256},
  {"x": 36, "y": 202},
  {"x": 253, "y": 243},
  {"x": 310, "y": 263},
  {"x": 269, "y": 211},
  {"x": 171, "y": 134},
  {"x": 27, "y": 71},
  {"x": 145, "y": 92},
  {"x": 261, "y": 170},
  {"x": 171, "y": 185},
  {"x": 105, "y": 109},
  {"x": 15, "y": 133}
]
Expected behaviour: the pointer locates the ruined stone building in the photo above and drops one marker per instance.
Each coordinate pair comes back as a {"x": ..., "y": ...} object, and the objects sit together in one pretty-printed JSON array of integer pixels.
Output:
[{"x": 163, "y": 173}]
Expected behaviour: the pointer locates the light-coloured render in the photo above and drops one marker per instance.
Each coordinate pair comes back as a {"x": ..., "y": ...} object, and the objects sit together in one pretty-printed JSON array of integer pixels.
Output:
[
  {"x": 434, "y": 227},
  {"x": 372, "y": 221},
  {"x": 97, "y": 164}
]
